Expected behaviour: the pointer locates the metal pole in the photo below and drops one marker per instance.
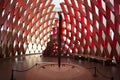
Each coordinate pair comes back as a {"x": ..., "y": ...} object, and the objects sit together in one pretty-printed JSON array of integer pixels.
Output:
[
  {"x": 95, "y": 74},
  {"x": 12, "y": 75},
  {"x": 112, "y": 78},
  {"x": 59, "y": 39}
]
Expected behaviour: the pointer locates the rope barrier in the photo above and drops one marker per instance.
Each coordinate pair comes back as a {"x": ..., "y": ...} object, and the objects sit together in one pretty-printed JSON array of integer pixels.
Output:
[
  {"x": 95, "y": 72},
  {"x": 26, "y": 69},
  {"x": 12, "y": 73},
  {"x": 107, "y": 77},
  {"x": 91, "y": 68}
]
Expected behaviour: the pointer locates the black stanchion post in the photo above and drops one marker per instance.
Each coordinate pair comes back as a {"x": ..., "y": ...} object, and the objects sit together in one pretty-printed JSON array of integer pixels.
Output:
[
  {"x": 36, "y": 64},
  {"x": 112, "y": 78},
  {"x": 95, "y": 72},
  {"x": 12, "y": 75}
]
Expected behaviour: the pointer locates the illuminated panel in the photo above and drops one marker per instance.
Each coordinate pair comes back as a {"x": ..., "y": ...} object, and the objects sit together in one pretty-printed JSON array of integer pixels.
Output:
[
  {"x": 25, "y": 26},
  {"x": 92, "y": 27}
]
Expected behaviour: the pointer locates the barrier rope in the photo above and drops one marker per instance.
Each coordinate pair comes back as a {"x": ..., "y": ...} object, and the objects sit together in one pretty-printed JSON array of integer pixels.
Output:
[
  {"x": 26, "y": 69},
  {"x": 12, "y": 73},
  {"x": 97, "y": 71},
  {"x": 91, "y": 68},
  {"x": 95, "y": 74},
  {"x": 107, "y": 77}
]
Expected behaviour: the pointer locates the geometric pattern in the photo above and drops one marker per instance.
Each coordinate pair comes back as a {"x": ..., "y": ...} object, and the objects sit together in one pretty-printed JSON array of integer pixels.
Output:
[
  {"x": 25, "y": 26},
  {"x": 92, "y": 28}
]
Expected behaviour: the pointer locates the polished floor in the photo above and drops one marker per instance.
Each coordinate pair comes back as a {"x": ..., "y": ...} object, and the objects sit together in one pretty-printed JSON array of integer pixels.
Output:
[{"x": 23, "y": 63}]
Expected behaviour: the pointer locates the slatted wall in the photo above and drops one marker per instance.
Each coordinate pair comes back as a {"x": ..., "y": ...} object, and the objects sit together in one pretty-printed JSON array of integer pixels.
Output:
[
  {"x": 25, "y": 26},
  {"x": 92, "y": 28}
]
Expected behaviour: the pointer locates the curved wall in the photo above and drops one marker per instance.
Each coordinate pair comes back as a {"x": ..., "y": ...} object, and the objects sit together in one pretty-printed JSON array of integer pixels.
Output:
[
  {"x": 25, "y": 26},
  {"x": 92, "y": 28}
]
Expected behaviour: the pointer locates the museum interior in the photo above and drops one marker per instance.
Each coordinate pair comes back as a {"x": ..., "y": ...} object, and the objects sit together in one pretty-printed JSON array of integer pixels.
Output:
[{"x": 59, "y": 39}]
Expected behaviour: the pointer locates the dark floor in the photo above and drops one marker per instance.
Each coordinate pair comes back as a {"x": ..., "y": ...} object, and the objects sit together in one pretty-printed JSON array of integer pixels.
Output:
[{"x": 22, "y": 63}]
